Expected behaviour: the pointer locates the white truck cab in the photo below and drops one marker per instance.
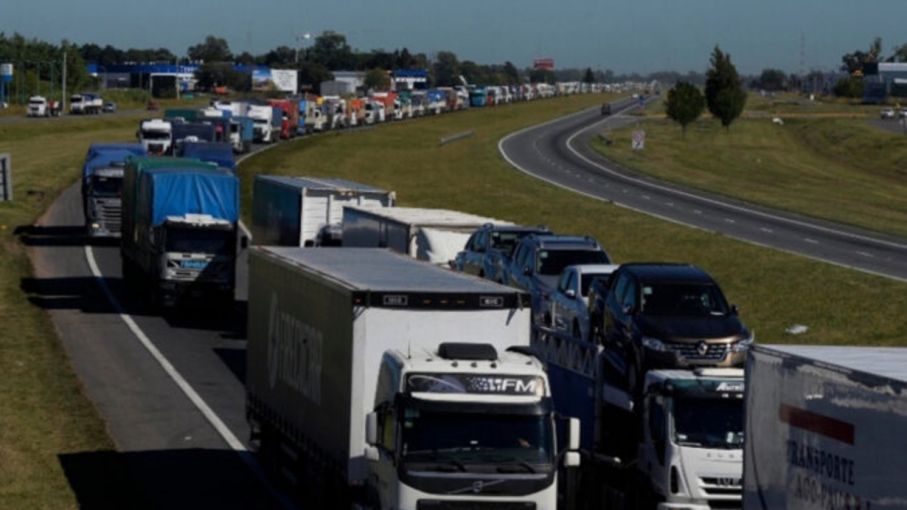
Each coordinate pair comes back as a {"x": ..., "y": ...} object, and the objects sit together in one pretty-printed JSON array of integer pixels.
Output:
[
  {"x": 461, "y": 426},
  {"x": 262, "y": 117},
  {"x": 37, "y": 106},
  {"x": 156, "y": 136},
  {"x": 196, "y": 248},
  {"x": 691, "y": 449}
]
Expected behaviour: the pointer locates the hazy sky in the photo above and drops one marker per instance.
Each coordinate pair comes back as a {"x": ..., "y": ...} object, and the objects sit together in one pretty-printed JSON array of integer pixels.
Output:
[{"x": 624, "y": 35}]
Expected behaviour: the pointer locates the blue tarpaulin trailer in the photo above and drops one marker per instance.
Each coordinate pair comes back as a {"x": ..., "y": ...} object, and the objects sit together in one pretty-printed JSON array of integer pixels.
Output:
[
  {"x": 219, "y": 153},
  {"x": 165, "y": 192}
]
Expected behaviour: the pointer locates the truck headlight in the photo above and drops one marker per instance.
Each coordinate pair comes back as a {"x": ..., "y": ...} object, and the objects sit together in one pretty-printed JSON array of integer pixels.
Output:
[
  {"x": 654, "y": 344},
  {"x": 744, "y": 344}
]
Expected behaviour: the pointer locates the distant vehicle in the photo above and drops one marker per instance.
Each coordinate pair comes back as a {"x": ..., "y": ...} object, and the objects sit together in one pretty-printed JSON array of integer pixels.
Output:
[
  {"x": 606, "y": 109},
  {"x": 671, "y": 315},
  {"x": 827, "y": 416},
  {"x": 219, "y": 153},
  {"x": 37, "y": 106},
  {"x": 568, "y": 305},
  {"x": 156, "y": 136},
  {"x": 887, "y": 113},
  {"x": 85, "y": 104},
  {"x": 488, "y": 251},
  {"x": 902, "y": 113},
  {"x": 102, "y": 186},
  {"x": 294, "y": 211},
  {"x": 110, "y": 107},
  {"x": 153, "y": 106},
  {"x": 263, "y": 118}
]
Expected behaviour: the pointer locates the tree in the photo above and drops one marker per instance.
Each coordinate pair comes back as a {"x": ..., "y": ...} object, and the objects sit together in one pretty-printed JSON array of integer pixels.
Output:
[
  {"x": 216, "y": 74},
  {"x": 447, "y": 69},
  {"x": 377, "y": 79},
  {"x": 723, "y": 89},
  {"x": 512, "y": 73},
  {"x": 542, "y": 76},
  {"x": 589, "y": 77},
  {"x": 405, "y": 60},
  {"x": 332, "y": 51},
  {"x": 899, "y": 54},
  {"x": 212, "y": 49},
  {"x": 853, "y": 62},
  {"x": 311, "y": 74},
  {"x": 849, "y": 86},
  {"x": 245, "y": 58},
  {"x": 281, "y": 56},
  {"x": 772, "y": 80},
  {"x": 685, "y": 104}
]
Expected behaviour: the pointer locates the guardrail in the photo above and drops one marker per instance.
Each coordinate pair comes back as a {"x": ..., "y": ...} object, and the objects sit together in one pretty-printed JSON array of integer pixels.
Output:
[{"x": 6, "y": 178}]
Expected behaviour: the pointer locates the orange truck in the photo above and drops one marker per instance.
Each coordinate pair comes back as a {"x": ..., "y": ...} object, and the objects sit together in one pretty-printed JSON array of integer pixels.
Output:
[{"x": 290, "y": 116}]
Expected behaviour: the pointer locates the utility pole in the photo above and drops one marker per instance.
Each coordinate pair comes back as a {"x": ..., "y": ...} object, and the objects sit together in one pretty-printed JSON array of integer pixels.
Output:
[{"x": 63, "y": 86}]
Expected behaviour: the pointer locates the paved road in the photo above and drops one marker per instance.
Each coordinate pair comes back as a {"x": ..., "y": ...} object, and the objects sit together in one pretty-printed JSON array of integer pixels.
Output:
[
  {"x": 558, "y": 153},
  {"x": 891, "y": 125},
  {"x": 180, "y": 429}
]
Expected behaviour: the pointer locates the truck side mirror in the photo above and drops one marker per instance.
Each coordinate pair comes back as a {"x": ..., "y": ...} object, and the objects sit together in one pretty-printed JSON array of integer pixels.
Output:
[
  {"x": 526, "y": 270},
  {"x": 371, "y": 429},
  {"x": 570, "y": 293},
  {"x": 571, "y": 459},
  {"x": 243, "y": 242},
  {"x": 573, "y": 434}
]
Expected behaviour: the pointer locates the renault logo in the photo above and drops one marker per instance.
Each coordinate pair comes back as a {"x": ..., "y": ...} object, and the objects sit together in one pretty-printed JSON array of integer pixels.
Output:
[
  {"x": 477, "y": 486},
  {"x": 702, "y": 348}
]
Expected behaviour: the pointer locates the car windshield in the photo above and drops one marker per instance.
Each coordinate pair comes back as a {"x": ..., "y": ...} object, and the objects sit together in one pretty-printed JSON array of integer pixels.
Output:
[
  {"x": 464, "y": 438},
  {"x": 197, "y": 240},
  {"x": 683, "y": 299},
  {"x": 106, "y": 186},
  {"x": 155, "y": 135},
  {"x": 708, "y": 422},
  {"x": 553, "y": 262},
  {"x": 588, "y": 278}
]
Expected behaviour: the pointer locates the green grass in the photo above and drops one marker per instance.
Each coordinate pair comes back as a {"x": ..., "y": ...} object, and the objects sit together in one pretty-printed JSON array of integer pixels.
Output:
[
  {"x": 831, "y": 168},
  {"x": 43, "y": 412},
  {"x": 775, "y": 290}
]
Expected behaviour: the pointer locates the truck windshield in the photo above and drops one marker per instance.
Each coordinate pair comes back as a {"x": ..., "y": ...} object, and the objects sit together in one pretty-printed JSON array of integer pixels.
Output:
[
  {"x": 199, "y": 240},
  {"x": 106, "y": 186},
  {"x": 469, "y": 438},
  {"x": 553, "y": 262},
  {"x": 682, "y": 299},
  {"x": 708, "y": 422},
  {"x": 155, "y": 135}
]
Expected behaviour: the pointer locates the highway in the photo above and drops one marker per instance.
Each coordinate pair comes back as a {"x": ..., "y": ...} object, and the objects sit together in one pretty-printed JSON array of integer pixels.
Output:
[
  {"x": 557, "y": 152},
  {"x": 170, "y": 389}
]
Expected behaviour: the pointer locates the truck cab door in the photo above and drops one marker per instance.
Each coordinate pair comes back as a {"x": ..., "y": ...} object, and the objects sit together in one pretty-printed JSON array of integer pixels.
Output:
[{"x": 383, "y": 472}]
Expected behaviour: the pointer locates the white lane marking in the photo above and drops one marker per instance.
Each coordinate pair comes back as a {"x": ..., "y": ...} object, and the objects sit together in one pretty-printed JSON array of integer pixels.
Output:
[
  {"x": 670, "y": 190},
  {"x": 213, "y": 419},
  {"x": 647, "y": 197},
  {"x": 513, "y": 163},
  {"x": 865, "y": 254},
  {"x": 729, "y": 220},
  {"x": 767, "y": 230},
  {"x": 669, "y": 204},
  {"x": 810, "y": 241}
]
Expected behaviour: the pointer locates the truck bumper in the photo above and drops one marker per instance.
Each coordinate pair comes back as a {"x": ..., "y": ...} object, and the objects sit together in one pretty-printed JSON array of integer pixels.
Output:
[
  {"x": 682, "y": 506},
  {"x": 198, "y": 294},
  {"x": 96, "y": 230}
]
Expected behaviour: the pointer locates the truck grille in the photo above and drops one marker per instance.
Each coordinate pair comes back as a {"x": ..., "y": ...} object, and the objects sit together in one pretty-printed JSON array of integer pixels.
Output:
[
  {"x": 428, "y": 504},
  {"x": 109, "y": 215},
  {"x": 691, "y": 351},
  {"x": 726, "y": 491}
]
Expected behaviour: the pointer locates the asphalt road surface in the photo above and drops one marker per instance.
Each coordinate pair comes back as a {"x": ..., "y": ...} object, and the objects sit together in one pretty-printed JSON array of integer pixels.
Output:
[
  {"x": 170, "y": 388},
  {"x": 558, "y": 153}
]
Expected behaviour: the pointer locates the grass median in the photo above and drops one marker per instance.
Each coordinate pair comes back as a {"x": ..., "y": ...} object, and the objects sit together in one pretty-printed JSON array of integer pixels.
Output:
[
  {"x": 775, "y": 290},
  {"x": 43, "y": 412},
  {"x": 832, "y": 165}
]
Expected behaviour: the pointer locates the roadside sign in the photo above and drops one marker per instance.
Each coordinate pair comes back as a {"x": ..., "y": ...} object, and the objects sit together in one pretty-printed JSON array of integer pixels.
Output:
[
  {"x": 639, "y": 140},
  {"x": 6, "y": 178}
]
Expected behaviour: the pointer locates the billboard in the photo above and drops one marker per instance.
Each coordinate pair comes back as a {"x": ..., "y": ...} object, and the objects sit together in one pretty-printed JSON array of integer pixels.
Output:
[
  {"x": 285, "y": 80},
  {"x": 6, "y": 72},
  {"x": 545, "y": 64}
]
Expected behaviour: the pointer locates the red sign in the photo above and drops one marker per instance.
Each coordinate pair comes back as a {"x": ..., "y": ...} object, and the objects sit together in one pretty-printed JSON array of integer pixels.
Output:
[{"x": 546, "y": 64}]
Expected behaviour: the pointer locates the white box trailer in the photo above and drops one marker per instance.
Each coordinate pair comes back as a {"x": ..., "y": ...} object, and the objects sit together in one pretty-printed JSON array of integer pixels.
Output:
[
  {"x": 433, "y": 235},
  {"x": 320, "y": 320},
  {"x": 825, "y": 428},
  {"x": 292, "y": 211}
]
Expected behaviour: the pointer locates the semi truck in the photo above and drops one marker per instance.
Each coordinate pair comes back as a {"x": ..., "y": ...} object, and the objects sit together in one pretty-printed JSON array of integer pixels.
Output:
[
  {"x": 102, "y": 185},
  {"x": 180, "y": 231},
  {"x": 85, "y": 103},
  {"x": 242, "y": 134},
  {"x": 386, "y": 382},
  {"x": 434, "y": 235},
  {"x": 289, "y": 116},
  {"x": 824, "y": 427},
  {"x": 156, "y": 136},
  {"x": 307, "y": 211},
  {"x": 264, "y": 119},
  {"x": 677, "y": 445},
  {"x": 190, "y": 132}
]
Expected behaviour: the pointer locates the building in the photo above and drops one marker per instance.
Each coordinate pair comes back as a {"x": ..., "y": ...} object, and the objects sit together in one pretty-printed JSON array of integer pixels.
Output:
[
  {"x": 410, "y": 79},
  {"x": 140, "y": 76},
  {"x": 883, "y": 81}
]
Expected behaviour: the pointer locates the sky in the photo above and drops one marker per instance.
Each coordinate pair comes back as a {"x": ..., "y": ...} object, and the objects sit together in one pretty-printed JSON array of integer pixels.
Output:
[{"x": 622, "y": 35}]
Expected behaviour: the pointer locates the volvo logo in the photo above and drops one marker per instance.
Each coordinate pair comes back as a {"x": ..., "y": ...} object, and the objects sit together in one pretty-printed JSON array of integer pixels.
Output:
[
  {"x": 702, "y": 348},
  {"x": 477, "y": 486}
]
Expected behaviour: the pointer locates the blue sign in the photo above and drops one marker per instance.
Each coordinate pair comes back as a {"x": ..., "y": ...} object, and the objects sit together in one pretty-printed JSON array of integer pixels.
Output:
[{"x": 6, "y": 73}]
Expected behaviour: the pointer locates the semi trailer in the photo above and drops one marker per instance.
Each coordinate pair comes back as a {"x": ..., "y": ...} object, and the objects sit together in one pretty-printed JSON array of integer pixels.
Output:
[
  {"x": 381, "y": 381},
  {"x": 307, "y": 211}
]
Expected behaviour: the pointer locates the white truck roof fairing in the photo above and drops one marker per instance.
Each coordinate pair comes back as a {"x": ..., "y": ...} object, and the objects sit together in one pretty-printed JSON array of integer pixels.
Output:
[
  {"x": 198, "y": 220},
  {"x": 156, "y": 125},
  {"x": 437, "y": 218}
]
